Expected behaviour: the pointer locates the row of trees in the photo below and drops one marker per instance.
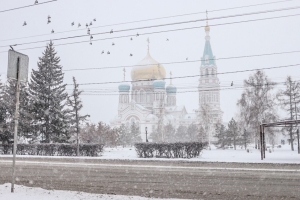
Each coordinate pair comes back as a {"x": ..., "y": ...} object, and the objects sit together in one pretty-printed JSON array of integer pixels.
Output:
[
  {"x": 47, "y": 113},
  {"x": 259, "y": 103}
]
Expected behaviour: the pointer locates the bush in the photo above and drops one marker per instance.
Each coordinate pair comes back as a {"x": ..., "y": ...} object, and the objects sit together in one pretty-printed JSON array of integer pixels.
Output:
[
  {"x": 169, "y": 150},
  {"x": 55, "y": 149}
]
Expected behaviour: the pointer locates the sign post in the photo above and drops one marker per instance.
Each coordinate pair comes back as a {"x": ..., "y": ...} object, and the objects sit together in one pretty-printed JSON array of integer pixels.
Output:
[{"x": 17, "y": 70}]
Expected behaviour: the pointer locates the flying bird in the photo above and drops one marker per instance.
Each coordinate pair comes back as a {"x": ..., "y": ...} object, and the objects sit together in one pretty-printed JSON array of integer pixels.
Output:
[
  {"x": 102, "y": 52},
  {"x": 49, "y": 21},
  {"x": 52, "y": 31},
  {"x": 36, "y": 2},
  {"x": 79, "y": 24},
  {"x": 72, "y": 23},
  {"x": 130, "y": 38},
  {"x": 94, "y": 19},
  {"x": 111, "y": 31},
  {"x": 113, "y": 43},
  {"x": 108, "y": 52},
  {"x": 130, "y": 54},
  {"x": 231, "y": 83},
  {"x": 25, "y": 23},
  {"x": 49, "y": 17}
]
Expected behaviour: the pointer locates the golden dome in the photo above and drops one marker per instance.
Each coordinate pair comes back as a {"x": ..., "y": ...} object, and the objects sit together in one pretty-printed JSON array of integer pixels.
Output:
[
  {"x": 148, "y": 68},
  {"x": 207, "y": 28}
]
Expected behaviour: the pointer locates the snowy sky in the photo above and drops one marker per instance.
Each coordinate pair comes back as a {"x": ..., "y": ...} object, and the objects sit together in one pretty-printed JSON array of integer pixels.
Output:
[{"x": 260, "y": 37}]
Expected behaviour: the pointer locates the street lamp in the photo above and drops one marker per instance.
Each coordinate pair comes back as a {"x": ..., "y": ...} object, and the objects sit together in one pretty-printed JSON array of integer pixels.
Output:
[{"x": 146, "y": 134}]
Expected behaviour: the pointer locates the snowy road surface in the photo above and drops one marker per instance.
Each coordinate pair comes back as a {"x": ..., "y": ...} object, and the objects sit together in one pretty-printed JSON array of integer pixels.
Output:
[{"x": 163, "y": 179}]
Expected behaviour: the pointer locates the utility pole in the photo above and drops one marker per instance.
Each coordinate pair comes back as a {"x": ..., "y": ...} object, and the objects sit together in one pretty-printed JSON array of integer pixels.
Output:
[
  {"x": 297, "y": 123},
  {"x": 17, "y": 70},
  {"x": 146, "y": 134},
  {"x": 16, "y": 126}
]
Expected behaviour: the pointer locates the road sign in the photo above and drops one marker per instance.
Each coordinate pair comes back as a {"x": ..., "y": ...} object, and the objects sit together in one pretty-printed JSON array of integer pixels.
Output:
[{"x": 12, "y": 69}]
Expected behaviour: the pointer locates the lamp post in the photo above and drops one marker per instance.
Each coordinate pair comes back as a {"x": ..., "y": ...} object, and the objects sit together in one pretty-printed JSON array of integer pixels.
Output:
[{"x": 146, "y": 134}]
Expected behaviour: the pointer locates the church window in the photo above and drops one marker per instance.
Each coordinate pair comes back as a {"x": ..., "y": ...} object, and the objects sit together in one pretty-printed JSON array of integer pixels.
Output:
[
  {"x": 142, "y": 96},
  {"x": 206, "y": 72}
]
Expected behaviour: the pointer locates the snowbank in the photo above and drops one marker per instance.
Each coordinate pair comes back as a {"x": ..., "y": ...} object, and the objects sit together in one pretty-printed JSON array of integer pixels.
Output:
[{"x": 29, "y": 193}]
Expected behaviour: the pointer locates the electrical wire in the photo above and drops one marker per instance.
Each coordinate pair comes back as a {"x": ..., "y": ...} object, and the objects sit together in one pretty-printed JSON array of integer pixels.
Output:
[
  {"x": 224, "y": 9},
  {"x": 155, "y": 26},
  {"x": 192, "y": 76},
  {"x": 87, "y": 41},
  {"x": 27, "y": 6}
]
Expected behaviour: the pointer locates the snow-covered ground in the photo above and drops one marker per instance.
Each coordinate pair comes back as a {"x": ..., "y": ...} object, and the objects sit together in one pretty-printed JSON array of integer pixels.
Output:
[
  {"x": 29, "y": 193},
  {"x": 278, "y": 155}
]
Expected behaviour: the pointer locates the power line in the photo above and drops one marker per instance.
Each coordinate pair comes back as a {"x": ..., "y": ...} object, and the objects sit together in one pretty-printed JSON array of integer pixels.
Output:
[
  {"x": 224, "y": 9},
  {"x": 189, "y": 61},
  {"x": 160, "y": 25},
  {"x": 181, "y": 29},
  {"x": 192, "y": 76},
  {"x": 27, "y": 7},
  {"x": 188, "y": 91}
]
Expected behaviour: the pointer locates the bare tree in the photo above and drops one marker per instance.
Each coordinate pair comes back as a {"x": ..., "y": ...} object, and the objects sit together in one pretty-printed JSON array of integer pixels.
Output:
[
  {"x": 257, "y": 103},
  {"x": 289, "y": 99}
]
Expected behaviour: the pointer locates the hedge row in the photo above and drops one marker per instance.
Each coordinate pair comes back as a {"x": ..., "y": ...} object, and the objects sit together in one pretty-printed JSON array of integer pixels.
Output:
[
  {"x": 169, "y": 150},
  {"x": 55, "y": 149}
]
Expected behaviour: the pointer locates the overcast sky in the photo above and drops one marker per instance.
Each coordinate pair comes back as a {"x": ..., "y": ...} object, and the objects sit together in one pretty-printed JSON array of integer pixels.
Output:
[{"x": 239, "y": 39}]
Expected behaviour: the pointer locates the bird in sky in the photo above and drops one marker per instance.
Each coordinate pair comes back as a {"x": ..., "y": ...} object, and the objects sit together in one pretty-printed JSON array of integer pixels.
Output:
[
  {"x": 113, "y": 43},
  {"x": 137, "y": 34},
  {"x": 91, "y": 43},
  {"x": 91, "y": 37},
  {"x": 94, "y": 19},
  {"x": 111, "y": 31},
  {"x": 86, "y": 25},
  {"x": 231, "y": 83},
  {"x": 130, "y": 38},
  {"x": 108, "y": 52},
  {"x": 91, "y": 24},
  {"x": 52, "y": 31},
  {"x": 49, "y": 21},
  {"x": 49, "y": 17},
  {"x": 25, "y": 23},
  {"x": 79, "y": 24},
  {"x": 72, "y": 23},
  {"x": 167, "y": 39},
  {"x": 130, "y": 54},
  {"x": 102, "y": 52},
  {"x": 88, "y": 31},
  {"x": 36, "y": 2}
]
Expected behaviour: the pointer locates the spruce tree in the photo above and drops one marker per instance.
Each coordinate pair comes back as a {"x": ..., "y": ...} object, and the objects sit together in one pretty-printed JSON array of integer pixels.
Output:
[
  {"x": 76, "y": 105},
  {"x": 233, "y": 132},
  {"x": 221, "y": 135},
  {"x": 49, "y": 98}
]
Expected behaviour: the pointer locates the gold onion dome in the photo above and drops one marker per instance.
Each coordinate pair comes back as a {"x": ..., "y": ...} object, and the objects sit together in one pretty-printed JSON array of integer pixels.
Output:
[
  {"x": 207, "y": 28},
  {"x": 148, "y": 68}
]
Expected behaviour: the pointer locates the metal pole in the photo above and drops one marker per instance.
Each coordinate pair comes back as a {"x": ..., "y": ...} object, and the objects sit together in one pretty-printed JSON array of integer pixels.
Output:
[
  {"x": 16, "y": 126},
  {"x": 260, "y": 140},
  {"x": 146, "y": 135},
  {"x": 264, "y": 141}
]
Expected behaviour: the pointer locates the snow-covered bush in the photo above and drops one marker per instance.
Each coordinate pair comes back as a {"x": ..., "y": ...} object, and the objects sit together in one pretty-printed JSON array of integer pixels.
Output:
[
  {"x": 169, "y": 150},
  {"x": 55, "y": 149}
]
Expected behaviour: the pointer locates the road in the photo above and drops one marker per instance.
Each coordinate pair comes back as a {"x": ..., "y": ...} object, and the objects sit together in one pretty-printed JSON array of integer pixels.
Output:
[{"x": 161, "y": 179}]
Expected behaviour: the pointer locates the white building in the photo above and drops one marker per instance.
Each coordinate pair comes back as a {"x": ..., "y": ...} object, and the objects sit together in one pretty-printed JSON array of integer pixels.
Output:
[{"x": 148, "y": 99}]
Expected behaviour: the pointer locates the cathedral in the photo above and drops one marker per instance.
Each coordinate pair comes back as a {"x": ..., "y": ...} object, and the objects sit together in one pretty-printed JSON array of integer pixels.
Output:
[{"x": 148, "y": 102}]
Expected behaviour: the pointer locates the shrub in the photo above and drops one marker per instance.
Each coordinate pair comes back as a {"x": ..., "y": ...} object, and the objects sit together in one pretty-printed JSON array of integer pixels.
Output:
[
  {"x": 56, "y": 149},
  {"x": 169, "y": 150}
]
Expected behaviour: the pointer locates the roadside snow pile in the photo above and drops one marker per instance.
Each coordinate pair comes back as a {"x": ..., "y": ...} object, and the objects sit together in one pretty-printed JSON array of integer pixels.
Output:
[{"x": 29, "y": 193}]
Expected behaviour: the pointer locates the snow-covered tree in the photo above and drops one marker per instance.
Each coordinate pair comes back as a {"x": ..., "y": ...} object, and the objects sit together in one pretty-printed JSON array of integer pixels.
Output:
[
  {"x": 221, "y": 135},
  {"x": 134, "y": 134},
  {"x": 123, "y": 132},
  {"x": 192, "y": 133},
  {"x": 233, "y": 133},
  {"x": 49, "y": 98},
  {"x": 170, "y": 132},
  {"x": 289, "y": 99},
  {"x": 180, "y": 133},
  {"x": 75, "y": 117}
]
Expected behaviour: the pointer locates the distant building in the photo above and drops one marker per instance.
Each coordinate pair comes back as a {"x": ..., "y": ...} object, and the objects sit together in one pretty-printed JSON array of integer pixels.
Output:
[{"x": 148, "y": 101}]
